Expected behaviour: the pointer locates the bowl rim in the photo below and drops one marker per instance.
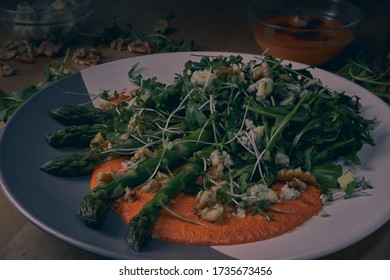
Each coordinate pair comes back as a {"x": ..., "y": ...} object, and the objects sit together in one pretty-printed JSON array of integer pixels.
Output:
[
  {"x": 354, "y": 22},
  {"x": 84, "y": 4}
]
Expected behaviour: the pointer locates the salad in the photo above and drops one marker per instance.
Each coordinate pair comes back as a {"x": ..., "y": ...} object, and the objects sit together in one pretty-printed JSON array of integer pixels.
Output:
[{"x": 224, "y": 131}]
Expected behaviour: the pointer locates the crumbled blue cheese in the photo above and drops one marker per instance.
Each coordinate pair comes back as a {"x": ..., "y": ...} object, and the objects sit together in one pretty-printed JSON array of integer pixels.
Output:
[
  {"x": 288, "y": 99},
  {"x": 259, "y": 192},
  {"x": 240, "y": 212},
  {"x": 287, "y": 193},
  {"x": 312, "y": 82},
  {"x": 262, "y": 88},
  {"x": 223, "y": 157},
  {"x": 296, "y": 89},
  {"x": 249, "y": 124},
  {"x": 256, "y": 133},
  {"x": 345, "y": 179},
  {"x": 203, "y": 77},
  {"x": 282, "y": 159}
]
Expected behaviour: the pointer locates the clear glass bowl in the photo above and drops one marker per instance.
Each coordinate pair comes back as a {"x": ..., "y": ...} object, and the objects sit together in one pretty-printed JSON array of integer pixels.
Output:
[
  {"x": 307, "y": 31},
  {"x": 57, "y": 20}
]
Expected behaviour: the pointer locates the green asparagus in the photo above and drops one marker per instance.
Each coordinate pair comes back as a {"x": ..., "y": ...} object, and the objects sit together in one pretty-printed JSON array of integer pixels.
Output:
[
  {"x": 80, "y": 164},
  {"x": 74, "y": 136},
  {"x": 79, "y": 115},
  {"x": 96, "y": 203},
  {"x": 141, "y": 225},
  {"x": 75, "y": 164}
]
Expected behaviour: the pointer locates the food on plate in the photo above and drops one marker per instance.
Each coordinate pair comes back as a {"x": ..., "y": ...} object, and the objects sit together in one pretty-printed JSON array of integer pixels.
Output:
[
  {"x": 228, "y": 146},
  {"x": 181, "y": 222}
]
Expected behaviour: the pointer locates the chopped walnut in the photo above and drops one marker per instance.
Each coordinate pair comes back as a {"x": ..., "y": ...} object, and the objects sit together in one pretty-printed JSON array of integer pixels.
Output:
[
  {"x": 162, "y": 178},
  {"x": 25, "y": 52},
  {"x": 297, "y": 184},
  {"x": 7, "y": 54},
  {"x": 49, "y": 48},
  {"x": 120, "y": 44},
  {"x": 143, "y": 47},
  {"x": 216, "y": 172},
  {"x": 97, "y": 141},
  {"x": 56, "y": 68},
  {"x": 19, "y": 50},
  {"x": 155, "y": 184},
  {"x": 86, "y": 57},
  {"x": 207, "y": 206},
  {"x": 262, "y": 71},
  {"x": 104, "y": 178},
  {"x": 233, "y": 69},
  {"x": 143, "y": 152},
  {"x": 297, "y": 173},
  {"x": 130, "y": 195},
  {"x": 6, "y": 70},
  {"x": 151, "y": 186}
]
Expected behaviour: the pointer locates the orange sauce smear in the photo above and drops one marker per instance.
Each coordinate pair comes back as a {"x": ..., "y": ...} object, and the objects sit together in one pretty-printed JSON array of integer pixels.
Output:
[
  {"x": 314, "y": 49},
  {"x": 233, "y": 230}
]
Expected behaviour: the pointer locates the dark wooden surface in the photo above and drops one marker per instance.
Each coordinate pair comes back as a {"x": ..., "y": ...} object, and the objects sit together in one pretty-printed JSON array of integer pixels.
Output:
[{"x": 214, "y": 25}]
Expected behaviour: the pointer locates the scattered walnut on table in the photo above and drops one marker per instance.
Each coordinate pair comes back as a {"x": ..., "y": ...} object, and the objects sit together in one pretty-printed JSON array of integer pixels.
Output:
[
  {"x": 56, "y": 68},
  {"x": 6, "y": 70},
  {"x": 25, "y": 52},
  {"x": 120, "y": 44},
  {"x": 86, "y": 57},
  {"x": 6, "y": 54},
  {"x": 138, "y": 46},
  {"x": 22, "y": 51},
  {"x": 49, "y": 48}
]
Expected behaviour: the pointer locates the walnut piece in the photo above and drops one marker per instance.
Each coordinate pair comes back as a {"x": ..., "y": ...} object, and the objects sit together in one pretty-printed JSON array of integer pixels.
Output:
[
  {"x": 6, "y": 70},
  {"x": 86, "y": 57},
  {"x": 143, "y": 47},
  {"x": 49, "y": 48}
]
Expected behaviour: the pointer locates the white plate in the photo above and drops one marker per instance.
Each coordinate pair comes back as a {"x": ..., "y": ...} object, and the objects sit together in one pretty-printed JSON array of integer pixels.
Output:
[{"x": 50, "y": 202}]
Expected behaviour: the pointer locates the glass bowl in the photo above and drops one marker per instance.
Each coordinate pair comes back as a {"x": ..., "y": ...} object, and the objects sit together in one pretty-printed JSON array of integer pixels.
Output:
[
  {"x": 55, "y": 20},
  {"x": 307, "y": 31}
]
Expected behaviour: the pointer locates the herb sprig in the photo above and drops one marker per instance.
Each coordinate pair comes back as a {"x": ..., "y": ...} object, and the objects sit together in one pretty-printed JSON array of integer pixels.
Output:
[
  {"x": 362, "y": 71},
  {"x": 160, "y": 41},
  {"x": 10, "y": 101}
]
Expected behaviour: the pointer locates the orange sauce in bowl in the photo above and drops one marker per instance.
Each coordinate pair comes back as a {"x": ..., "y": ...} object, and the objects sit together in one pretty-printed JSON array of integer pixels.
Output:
[
  {"x": 313, "y": 45},
  {"x": 233, "y": 230}
]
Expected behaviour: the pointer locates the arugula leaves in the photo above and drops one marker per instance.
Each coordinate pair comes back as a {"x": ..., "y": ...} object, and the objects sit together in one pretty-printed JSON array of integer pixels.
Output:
[
  {"x": 312, "y": 126},
  {"x": 362, "y": 71}
]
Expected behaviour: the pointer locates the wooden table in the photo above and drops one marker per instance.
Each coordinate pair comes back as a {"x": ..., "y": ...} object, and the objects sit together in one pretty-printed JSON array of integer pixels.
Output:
[{"x": 218, "y": 25}]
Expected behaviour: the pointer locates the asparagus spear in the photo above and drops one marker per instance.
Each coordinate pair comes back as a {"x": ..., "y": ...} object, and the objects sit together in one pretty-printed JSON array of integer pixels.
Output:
[
  {"x": 79, "y": 115},
  {"x": 79, "y": 164},
  {"x": 74, "y": 136},
  {"x": 141, "y": 225},
  {"x": 95, "y": 204},
  {"x": 75, "y": 164}
]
